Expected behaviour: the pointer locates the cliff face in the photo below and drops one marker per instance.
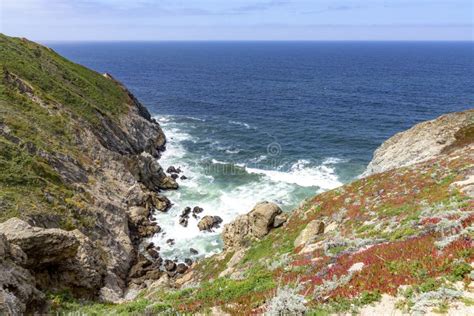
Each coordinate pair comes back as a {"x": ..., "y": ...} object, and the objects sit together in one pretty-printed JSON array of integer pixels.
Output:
[
  {"x": 395, "y": 242},
  {"x": 72, "y": 144}
]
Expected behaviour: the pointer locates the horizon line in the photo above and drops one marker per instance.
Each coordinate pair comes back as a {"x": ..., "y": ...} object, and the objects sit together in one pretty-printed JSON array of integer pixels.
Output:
[{"x": 244, "y": 40}]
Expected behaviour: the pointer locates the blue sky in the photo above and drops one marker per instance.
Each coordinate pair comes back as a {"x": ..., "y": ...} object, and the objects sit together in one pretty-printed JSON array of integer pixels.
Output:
[{"x": 238, "y": 19}]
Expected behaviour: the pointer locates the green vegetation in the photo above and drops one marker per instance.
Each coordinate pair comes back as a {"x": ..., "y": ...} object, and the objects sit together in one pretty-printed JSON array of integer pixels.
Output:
[{"x": 44, "y": 99}]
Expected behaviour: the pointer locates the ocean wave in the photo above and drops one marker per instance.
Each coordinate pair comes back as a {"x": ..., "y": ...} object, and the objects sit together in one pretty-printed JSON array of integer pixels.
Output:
[
  {"x": 214, "y": 200},
  {"x": 258, "y": 159},
  {"x": 333, "y": 160},
  {"x": 232, "y": 151},
  {"x": 219, "y": 162},
  {"x": 226, "y": 199},
  {"x": 247, "y": 126},
  {"x": 302, "y": 174}
]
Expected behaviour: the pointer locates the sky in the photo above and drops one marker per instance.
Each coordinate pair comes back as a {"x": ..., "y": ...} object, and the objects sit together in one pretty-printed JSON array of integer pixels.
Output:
[{"x": 100, "y": 20}]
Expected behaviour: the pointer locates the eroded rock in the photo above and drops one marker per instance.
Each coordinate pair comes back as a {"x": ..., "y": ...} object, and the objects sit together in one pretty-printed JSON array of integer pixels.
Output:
[
  {"x": 255, "y": 224},
  {"x": 312, "y": 229},
  {"x": 42, "y": 246},
  {"x": 423, "y": 141},
  {"x": 208, "y": 223},
  {"x": 58, "y": 259},
  {"x": 18, "y": 292}
]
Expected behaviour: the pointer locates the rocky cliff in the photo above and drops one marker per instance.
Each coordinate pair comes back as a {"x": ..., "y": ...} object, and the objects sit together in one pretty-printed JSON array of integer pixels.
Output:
[
  {"x": 79, "y": 178},
  {"x": 396, "y": 242},
  {"x": 423, "y": 141}
]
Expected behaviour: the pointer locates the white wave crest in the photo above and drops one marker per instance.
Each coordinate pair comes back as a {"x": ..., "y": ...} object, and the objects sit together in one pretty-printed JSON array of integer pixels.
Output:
[
  {"x": 322, "y": 176},
  {"x": 247, "y": 126}
]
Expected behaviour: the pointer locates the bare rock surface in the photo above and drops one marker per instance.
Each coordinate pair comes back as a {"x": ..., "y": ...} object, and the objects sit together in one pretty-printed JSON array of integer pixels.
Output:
[
  {"x": 58, "y": 259},
  {"x": 208, "y": 223},
  {"x": 42, "y": 246},
  {"x": 18, "y": 293},
  {"x": 312, "y": 229},
  {"x": 255, "y": 224},
  {"x": 423, "y": 141}
]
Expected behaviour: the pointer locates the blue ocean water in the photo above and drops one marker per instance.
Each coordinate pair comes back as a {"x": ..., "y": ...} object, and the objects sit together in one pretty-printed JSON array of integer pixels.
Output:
[{"x": 280, "y": 121}]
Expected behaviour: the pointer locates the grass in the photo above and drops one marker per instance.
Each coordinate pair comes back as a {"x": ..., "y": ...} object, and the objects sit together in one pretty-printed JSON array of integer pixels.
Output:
[{"x": 41, "y": 121}]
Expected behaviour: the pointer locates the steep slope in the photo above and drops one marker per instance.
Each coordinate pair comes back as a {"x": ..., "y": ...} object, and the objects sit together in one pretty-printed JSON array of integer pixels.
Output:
[
  {"x": 72, "y": 144},
  {"x": 403, "y": 237}
]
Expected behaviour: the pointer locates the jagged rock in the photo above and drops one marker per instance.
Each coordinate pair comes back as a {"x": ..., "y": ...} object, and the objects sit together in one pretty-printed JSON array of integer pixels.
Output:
[
  {"x": 140, "y": 267},
  {"x": 153, "y": 253},
  {"x": 186, "y": 212},
  {"x": 170, "y": 241},
  {"x": 183, "y": 177},
  {"x": 312, "y": 229},
  {"x": 112, "y": 147},
  {"x": 18, "y": 292},
  {"x": 188, "y": 261},
  {"x": 255, "y": 224},
  {"x": 153, "y": 275},
  {"x": 138, "y": 195},
  {"x": 148, "y": 171},
  {"x": 138, "y": 215},
  {"x": 183, "y": 222},
  {"x": 181, "y": 268},
  {"x": 422, "y": 142},
  {"x": 42, "y": 246},
  {"x": 78, "y": 263},
  {"x": 174, "y": 176},
  {"x": 149, "y": 246},
  {"x": 172, "y": 169},
  {"x": 208, "y": 223},
  {"x": 158, "y": 262},
  {"x": 170, "y": 265},
  {"x": 193, "y": 251},
  {"x": 279, "y": 220},
  {"x": 147, "y": 230},
  {"x": 197, "y": 210}
]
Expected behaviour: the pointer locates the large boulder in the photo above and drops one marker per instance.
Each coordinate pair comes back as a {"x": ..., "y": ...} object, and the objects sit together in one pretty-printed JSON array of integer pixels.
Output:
[
  {"x": 423, "y": 141},
  {"x": 208, "y": 223},
  {"x": 138, "y": 195},
  {"x": 253, "y": 225}
]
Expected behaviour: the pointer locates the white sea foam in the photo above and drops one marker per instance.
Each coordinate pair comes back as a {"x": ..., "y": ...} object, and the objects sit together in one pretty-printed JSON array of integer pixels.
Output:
[
  {"x": 232, "y": 151},
  {"x": 226, "y": 201},
  {"x": 322, "y": 176},
  {"x": 247, "y": 126}
]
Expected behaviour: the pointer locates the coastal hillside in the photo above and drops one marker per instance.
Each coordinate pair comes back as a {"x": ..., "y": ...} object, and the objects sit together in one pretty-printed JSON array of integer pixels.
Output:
[
  {"x": 396, "y": 242},
  {"x": 79, "y": 178},
  {"x": 80, "y": 182}
]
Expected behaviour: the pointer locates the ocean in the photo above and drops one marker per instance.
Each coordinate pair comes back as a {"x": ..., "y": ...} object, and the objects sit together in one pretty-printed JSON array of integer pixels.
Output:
[{"x": 276, "y": 121}]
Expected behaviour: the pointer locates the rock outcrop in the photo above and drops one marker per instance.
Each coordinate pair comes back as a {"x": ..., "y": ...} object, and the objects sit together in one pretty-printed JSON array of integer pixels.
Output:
[
  {"x": 18, "y": 292},
  {"x": 253, "y": 225},
  {"x": 58, "y": 259},
  {"x": 423, "y": 141}
]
